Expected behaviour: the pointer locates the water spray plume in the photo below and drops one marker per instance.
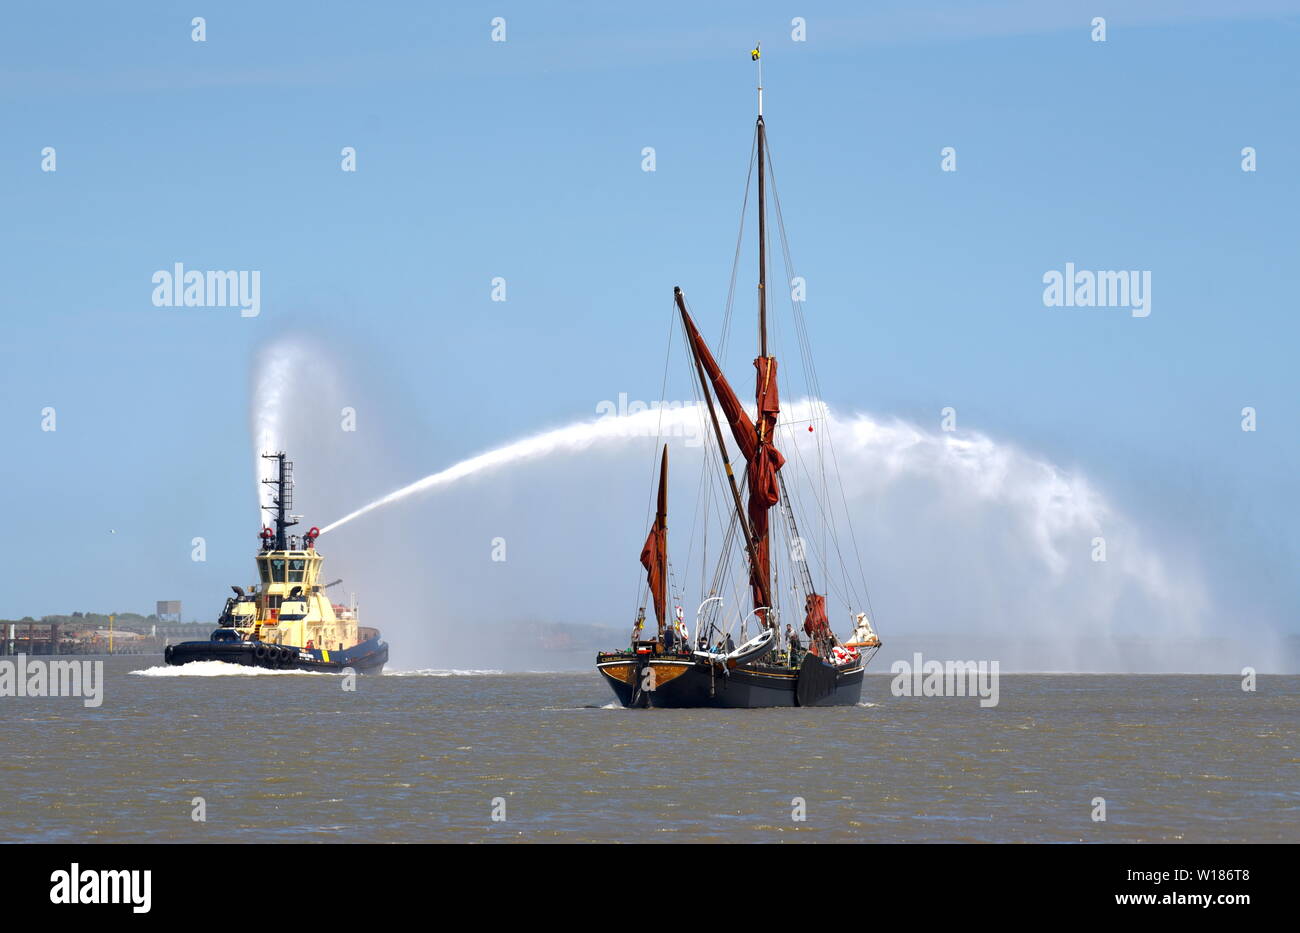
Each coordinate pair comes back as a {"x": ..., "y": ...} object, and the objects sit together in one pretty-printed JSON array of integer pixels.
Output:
[
  {"x": 960, "y": 532},
  {"x": 1052, "y": 510},
  {"x": 574, "y": 437},
  {"x": 271, "y": 385}
]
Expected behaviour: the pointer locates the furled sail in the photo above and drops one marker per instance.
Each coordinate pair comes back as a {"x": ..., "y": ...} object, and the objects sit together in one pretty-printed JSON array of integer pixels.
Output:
[
  {"x": 755, "y": 443},
  {"x": 764, "y": 486},
  {"x": 815, "y": 622},
  {"x": 654, "y": 556}
]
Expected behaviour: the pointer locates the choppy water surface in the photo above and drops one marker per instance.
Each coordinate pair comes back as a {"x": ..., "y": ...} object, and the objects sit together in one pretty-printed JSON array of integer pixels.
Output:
[{"x": 420, "y": 756}]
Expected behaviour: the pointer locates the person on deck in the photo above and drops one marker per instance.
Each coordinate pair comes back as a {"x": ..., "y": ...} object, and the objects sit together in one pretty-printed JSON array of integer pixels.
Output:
[
  {"x": 796, "y": 644},
  {"x": 731, "y": 645}
]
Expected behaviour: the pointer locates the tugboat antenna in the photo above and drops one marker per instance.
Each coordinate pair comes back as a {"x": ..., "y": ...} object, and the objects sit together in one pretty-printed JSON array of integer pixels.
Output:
[{"x": 282, "y": 501}]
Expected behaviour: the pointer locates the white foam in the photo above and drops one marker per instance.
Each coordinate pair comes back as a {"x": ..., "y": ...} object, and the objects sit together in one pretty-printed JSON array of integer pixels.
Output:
[
  {"x": 217, "y": 669},
  {"x": 437, "y": 672}
]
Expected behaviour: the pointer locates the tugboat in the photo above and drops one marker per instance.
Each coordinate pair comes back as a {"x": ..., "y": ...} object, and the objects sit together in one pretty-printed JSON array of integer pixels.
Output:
[
  {"x": 666, "y": 669},
  {"x": 286, "y": 621}
]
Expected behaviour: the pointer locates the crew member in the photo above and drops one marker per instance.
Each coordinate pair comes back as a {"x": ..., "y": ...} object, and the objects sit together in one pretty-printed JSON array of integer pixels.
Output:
[{"x": 796, "y": 644}]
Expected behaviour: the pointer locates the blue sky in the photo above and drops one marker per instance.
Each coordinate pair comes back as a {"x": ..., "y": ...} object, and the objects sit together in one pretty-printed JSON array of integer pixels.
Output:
[{"x": 522, "y": 159}]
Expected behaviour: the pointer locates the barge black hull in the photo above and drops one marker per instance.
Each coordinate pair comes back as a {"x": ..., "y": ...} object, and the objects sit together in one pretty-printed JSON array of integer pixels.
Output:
[{"x": 687, "y": 683}]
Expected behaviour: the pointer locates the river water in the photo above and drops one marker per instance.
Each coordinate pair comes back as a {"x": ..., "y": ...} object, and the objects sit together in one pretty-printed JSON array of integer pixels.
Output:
[{"x": 434, "y": 756}]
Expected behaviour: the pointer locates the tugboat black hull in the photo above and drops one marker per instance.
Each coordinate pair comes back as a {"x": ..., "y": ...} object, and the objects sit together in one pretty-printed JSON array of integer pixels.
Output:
[
  {"x": 682, "y": 682},
  {"x": 369, "y": 657}
]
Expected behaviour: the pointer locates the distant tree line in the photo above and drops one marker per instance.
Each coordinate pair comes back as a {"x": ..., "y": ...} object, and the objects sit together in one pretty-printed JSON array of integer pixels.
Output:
[{"x": 128, "y": 621}]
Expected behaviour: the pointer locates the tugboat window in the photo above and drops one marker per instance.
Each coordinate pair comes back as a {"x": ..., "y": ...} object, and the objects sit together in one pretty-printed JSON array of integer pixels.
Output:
[
  {"x": 277, "y": 570},
  {"x": 295, "y": 570},
  {"x": 264, "y": 571}
]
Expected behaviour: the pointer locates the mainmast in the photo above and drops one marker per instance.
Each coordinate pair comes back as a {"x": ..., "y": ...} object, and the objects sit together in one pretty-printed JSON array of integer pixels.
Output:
[
  {"x": 753, "y": 437},
  {"x": 767, "y": 460},
  {"x": 762, "y": 210}
]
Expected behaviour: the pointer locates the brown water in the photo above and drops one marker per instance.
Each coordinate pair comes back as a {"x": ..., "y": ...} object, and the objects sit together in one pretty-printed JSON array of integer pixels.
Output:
[{"x": 421, "y": 757}]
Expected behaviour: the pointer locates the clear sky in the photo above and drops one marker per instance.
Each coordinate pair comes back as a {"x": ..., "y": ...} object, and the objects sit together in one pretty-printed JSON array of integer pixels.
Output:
[{"x": 523, "y": 159}]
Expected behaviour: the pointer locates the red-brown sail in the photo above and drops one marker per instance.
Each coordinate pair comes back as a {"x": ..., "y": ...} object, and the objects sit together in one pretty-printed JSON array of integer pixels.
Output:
[
  {"x": 815, "y": 622},
  {"x": 742, "y": 429},
  {"x": 654, "y": 556},
  {"x": 764, "y": 487},
  {"x": 755, "y": 443}
]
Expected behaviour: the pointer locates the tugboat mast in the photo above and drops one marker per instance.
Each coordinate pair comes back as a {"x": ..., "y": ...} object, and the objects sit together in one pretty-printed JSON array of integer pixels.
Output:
[{"x": 282, "y": 499}]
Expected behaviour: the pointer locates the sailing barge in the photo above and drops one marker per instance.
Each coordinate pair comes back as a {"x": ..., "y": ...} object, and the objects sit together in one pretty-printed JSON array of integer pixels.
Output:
[
  {"x": 286, "y": 621},
  {"x": 669, "y": 669}
]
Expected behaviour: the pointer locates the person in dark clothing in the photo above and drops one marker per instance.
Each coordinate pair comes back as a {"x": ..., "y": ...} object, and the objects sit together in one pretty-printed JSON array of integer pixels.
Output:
[
  {"x": 794, "y": 645},
  {"x": 731, "y": 645}
]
